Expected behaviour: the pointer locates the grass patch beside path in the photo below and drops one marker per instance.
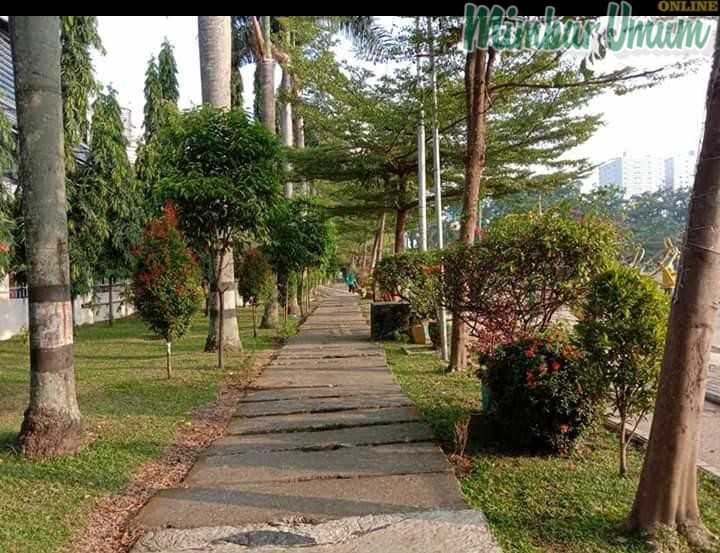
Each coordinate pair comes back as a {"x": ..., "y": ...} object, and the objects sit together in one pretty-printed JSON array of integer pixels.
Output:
[
  {"x": 537, "y": 504},
  {"x": 125, "y": 400}
]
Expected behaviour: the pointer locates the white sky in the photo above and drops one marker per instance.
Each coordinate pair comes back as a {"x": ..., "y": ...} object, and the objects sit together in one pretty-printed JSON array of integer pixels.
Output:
[{"x": 661, "y": 121}]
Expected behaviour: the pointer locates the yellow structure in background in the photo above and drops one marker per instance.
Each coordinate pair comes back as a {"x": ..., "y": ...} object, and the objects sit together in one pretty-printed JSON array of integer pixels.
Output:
[{"x": 664, "y": 271}]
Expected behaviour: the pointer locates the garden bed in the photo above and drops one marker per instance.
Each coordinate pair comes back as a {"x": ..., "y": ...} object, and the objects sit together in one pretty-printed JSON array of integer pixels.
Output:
[{"x": 556, "y": 504}]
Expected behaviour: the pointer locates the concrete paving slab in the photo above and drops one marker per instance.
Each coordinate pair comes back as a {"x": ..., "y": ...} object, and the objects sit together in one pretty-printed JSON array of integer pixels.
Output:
[
  {"x": 324, "y": 439},
  {"x": 296, "y": 465},
  {"x": 322, "y": 421},
  {"x": 313, "y": 500},
  {"x": 283, "y": 378},
  {"x": 427, "y": 532},
  {"x": 322, "y": 405},
  {"x": 274, "y": 394}
]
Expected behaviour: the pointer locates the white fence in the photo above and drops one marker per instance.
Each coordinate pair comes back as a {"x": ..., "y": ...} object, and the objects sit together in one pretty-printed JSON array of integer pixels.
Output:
[{"x": 88, "y": 309}]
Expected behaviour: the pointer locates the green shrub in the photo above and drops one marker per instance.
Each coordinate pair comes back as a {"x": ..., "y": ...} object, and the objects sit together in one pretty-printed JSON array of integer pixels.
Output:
[
  {"x": 622, "y": 331},
  {"x": 413, "y": 277},
  {"x": 540, "y": 393}
]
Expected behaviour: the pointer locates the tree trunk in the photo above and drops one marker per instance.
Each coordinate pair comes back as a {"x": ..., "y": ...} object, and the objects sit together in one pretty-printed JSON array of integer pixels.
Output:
[
  {"x": 267, "y": 79},
  {"x": 111, "y": 314},
  {"x": 293, "y": 306},
  {"x": 254, "y": 318},
  {"x": 168, "y": 360},
  {"x": 231, "y": 332},
  {"x": 214, "y": 37},
  {"x": 623, "y": 445},
  {"x": 221, "y": 327},
  {"x": 299, "y": 132},
  {"x": 270, "y": 313},
  {"x": 667, "y": 492},
  {"x": 478, "y": 67},
  {"x": 286, "y": 122},
  {"x": 400, "y": 221},
  {"x": 52, "y": 425}
]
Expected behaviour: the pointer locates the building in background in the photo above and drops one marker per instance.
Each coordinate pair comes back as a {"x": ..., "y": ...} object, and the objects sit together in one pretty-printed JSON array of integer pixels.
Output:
[
  {"x": 680, "y": 170},
  {"x": 633, "y": 174}
]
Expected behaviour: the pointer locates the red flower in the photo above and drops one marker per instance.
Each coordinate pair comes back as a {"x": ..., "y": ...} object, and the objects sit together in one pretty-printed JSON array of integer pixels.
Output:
[
  {"x": 564, "y": 428},
  {"x": 555, "y": 365},
  {"x": 530, "y": 353}
]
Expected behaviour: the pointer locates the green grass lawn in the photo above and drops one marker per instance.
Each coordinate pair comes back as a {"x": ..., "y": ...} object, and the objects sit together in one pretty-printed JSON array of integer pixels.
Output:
[
  {"x": 125, "y": 400},
  {"x": 537, "y": 503}
]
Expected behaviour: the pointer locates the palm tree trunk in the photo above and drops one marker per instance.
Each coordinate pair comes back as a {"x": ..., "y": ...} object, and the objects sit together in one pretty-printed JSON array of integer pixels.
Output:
[
  {"x": 52, "y": 425},
  {"x": 478, "y": 69},
  {"x": 215, "y": 39},
  {"x": 267, "y": 79},
  {"x": 286, "y": 122},
  {"x": 667, "y": 492}
]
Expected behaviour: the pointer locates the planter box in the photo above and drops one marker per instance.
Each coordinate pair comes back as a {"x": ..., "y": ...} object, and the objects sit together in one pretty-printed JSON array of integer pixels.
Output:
[
  {"x": 388, "y": 318},
  {"x": 419, "y": 334}
]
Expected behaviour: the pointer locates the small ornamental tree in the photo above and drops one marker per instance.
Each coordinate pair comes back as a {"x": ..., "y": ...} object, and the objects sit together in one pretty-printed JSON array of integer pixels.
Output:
[
  {"x": 524, "y": 269},
  {"x": 413, "y": 277},
  {"x": 166, "y": 284},
  {"x": 622, "y": 332},
  {"x": 301, "y": 237},
  {"x": 255, "y": 280},
  {"x": 223, "y": 174}
]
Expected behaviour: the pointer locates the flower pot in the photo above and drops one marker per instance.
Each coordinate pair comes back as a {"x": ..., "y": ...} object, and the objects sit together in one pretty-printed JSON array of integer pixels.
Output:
[{"x": 419, "y": 333}]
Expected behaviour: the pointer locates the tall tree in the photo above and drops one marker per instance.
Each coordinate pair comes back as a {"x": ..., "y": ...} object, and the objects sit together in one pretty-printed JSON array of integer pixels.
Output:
[
  {"x": 108, "y": 171},
  {"x": 167, "y": 74},
  {"x": 78, "y": 38},
  {"x": 214, "y": 35},
  {"x": 52, "y": 425},
  {"x": 161, "y": 97},
  {"x": 667, "y": 492},
  {"x": 146, "y": 162},
  {"x": 478, "y": 70}
]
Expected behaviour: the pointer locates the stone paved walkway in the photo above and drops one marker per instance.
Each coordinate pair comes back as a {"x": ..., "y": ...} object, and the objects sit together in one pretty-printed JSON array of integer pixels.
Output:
[{"x": 325, "y": 454}]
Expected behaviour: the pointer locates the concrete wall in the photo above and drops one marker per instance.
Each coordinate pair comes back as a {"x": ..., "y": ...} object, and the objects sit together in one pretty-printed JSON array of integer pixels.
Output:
[{"x": 14, "y": 310}]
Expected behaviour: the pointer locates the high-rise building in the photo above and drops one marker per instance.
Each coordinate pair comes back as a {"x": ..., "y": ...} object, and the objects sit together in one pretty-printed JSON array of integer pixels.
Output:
[
  {"x": 680, "y": 170},
  {"x": 633, "y": 174}
]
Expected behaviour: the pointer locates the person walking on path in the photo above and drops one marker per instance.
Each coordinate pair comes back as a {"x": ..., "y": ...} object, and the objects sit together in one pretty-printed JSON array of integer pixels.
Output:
[{"x": 351, "y": 282}]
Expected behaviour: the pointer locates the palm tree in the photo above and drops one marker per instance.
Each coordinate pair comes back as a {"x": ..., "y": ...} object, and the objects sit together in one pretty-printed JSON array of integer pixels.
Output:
[
  {"x": 52, "y": 425},
  {"x": 214, "y": 37}
]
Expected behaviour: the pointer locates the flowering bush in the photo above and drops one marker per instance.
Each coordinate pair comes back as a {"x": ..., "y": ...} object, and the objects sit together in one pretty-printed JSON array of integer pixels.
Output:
[
  {"x": 166, "y": 283},
  {"x": 540, "y": 391},
  {"x": 413, "y": 277}
]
